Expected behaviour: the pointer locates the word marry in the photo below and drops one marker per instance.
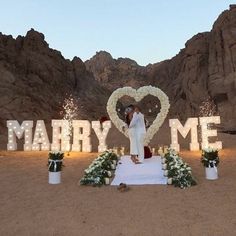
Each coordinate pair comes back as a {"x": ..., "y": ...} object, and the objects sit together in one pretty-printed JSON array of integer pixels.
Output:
[{"x": 61, "y": 135}]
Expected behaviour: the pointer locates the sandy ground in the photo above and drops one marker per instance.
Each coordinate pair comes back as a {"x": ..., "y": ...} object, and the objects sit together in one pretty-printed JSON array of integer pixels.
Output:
[{"x": 30, "y": 206}]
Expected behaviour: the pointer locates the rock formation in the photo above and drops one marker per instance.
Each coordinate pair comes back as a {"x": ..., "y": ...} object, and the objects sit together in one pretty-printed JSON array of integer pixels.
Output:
[
  {"x": 34, "y": 79},
  {"x": 204, "y": 68}
]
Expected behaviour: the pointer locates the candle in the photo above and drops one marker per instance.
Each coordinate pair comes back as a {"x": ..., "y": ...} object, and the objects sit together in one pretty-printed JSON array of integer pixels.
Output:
[
  {"x": 122, "y": 151},
  {"x": 163, "y": 161},
  {"x": 166, "y": 149},
  {"x": 107, "y": 181},
  {"x": 115, "y": 150},
  {"x": 160, "y": 151},
  {"x": 166, "y": 173},
  {"x": 153, "y": 151},
  {"x": 109, "y": 173},
  {"x": 113, "y": 167},
  {"x": 169, "y": 181}
]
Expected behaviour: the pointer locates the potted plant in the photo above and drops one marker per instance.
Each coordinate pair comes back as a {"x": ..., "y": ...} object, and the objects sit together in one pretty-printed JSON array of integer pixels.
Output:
[
  {"x": 210, "y": 161},
  {"x": 54, "y": 167}
]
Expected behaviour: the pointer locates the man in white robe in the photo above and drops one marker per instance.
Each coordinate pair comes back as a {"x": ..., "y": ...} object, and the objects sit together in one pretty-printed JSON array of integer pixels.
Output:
[{"x": 137, "y": 125}]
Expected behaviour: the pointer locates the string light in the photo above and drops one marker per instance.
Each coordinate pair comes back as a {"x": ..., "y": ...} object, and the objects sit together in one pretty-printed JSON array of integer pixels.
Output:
[
  {"x": 81, "y": 136},
  {"x": 17, "y": 131},
  {"x": 41, "y": 141},
  {"x": 190, "y": 125},
  {"x": 207, "y": 132},
  {"x": 101, "y": 133},
  {"x": 60, "y": 133}
]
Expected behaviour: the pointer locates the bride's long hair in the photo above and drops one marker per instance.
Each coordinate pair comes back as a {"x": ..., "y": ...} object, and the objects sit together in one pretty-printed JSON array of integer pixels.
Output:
[{"x": 127, "y": 119}]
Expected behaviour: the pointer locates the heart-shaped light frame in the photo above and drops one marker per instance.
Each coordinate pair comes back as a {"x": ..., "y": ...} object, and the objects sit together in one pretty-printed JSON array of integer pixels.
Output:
[{"x": 138, "y": 95}]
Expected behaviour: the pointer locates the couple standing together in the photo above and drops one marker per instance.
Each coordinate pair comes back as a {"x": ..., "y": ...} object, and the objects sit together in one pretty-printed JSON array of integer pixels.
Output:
[{"x": 135, "y": 123}]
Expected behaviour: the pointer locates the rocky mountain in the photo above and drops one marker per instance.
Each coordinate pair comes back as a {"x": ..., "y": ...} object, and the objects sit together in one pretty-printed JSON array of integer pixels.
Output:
[
  {"x": 113, "y": 74},
  {"x": 35, "y": 79},
  {"x": 206, "y": 67}
]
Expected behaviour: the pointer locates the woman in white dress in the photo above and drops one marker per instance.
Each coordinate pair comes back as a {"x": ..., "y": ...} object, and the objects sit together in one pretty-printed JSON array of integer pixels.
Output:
[
  {"x": 138, "y": 123},
  {"x": 136, "y": 131}
]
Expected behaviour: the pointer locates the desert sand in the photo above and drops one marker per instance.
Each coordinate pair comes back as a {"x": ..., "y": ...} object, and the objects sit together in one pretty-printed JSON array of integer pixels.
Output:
[{"x": 30, "y": 206}]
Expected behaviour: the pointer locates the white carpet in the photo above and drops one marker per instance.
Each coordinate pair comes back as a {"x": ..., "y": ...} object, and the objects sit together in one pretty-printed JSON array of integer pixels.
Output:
[{"x": 150, "y": 172}]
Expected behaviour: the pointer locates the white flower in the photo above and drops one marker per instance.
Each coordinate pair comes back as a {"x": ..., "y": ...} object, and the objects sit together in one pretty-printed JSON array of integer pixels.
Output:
[
  {"x": 209, "y": 149},
  {"x": 139, "y": 95}
]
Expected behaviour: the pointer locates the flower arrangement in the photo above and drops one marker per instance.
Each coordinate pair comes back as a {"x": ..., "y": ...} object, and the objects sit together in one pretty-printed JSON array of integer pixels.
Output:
[
  {"x": 210, "y": 157},
  {"x": 138, "y": 95},
  {"x": 100, "y": 170},
  {"x": 179, "y": 173},
  {"x": 55, "y": 161}
]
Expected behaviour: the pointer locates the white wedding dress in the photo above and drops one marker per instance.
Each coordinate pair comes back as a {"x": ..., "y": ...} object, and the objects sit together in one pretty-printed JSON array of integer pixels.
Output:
[{"x": 137, "y": 131}]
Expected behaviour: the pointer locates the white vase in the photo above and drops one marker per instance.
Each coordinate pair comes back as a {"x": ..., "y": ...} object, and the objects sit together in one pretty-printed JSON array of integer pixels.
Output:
[
  {"x": 54, "y": 177},
  {"x": 211, "y": 173}
]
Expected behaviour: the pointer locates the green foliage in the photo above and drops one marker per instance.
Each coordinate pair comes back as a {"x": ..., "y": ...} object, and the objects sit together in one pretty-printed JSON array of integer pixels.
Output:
[
  {"x": 100, "y": 169},
  {"x": 210, "y": 158},
  {"x": 178, "y": 170},
  {"x": 55, "y": 161}
]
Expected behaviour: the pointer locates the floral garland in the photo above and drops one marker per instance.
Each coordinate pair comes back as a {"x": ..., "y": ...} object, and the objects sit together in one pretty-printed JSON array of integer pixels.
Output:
[
  {"x": 100, "y": 170},
  {"x": 179, "y": 173},
  {"x": 138, "y": 95}
]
